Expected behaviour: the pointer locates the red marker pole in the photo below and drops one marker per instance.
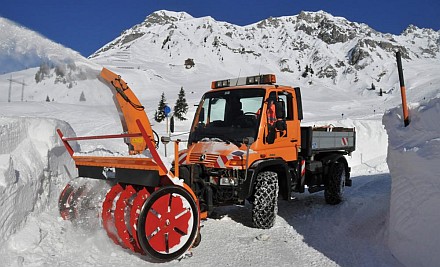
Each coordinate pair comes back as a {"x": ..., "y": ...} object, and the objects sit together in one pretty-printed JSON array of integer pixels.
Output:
[{"x": 406, "y": 119}]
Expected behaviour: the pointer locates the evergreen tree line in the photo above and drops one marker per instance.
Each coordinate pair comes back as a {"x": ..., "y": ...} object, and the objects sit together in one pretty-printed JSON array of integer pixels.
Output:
[{"x": 180, "y": 108}]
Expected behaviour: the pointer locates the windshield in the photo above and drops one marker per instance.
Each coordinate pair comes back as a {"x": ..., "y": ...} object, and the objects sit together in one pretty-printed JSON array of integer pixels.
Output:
[{"x": 229, "y": 115}]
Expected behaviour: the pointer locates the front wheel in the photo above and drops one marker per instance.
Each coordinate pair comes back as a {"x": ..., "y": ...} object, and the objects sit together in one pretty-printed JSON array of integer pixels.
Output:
[
  {"x": 265, "y": 206},
  {"x": 334, "y": 188}
]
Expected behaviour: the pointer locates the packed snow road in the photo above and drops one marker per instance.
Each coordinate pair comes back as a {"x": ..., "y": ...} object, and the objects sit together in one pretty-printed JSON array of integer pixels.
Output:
[{"x": 307, "y": 233}]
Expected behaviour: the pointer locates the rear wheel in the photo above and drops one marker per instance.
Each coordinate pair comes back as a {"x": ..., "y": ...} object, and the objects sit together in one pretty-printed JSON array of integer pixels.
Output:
[
  {"x": 265, "y": 206},
  {"x": 334, "y": 188}
]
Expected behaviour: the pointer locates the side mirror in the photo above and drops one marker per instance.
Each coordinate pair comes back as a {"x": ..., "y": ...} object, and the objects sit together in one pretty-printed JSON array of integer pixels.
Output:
[
  {"x": 280, "y": 109},
  {"x": 281, "y": 125},
  {"x": 271, "y": 135},
  {"x": 248, "y": 141}
]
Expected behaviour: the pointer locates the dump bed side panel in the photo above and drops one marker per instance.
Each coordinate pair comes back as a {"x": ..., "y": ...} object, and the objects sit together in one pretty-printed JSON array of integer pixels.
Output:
[
  {"x": 315, "y": 140},
  {"x": 343, "y": 140}
]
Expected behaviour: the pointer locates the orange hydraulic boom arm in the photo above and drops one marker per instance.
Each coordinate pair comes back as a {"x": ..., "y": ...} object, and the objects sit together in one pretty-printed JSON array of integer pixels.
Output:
[{"x": 130, "y": 110}]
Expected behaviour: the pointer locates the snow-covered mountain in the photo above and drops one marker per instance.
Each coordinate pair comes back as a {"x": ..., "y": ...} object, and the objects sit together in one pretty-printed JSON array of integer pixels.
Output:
[
  {"x": 22, "y": 48},
  {"x": 173, "y": 49},
  {"x": 306, "y": 47},
  {"x": 48, "y": 69}
]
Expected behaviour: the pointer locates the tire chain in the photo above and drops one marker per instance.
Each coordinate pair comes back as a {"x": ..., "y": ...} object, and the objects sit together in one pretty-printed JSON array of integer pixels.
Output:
[
  {"x": 333, "y": 193},
  {"x": 265, "y": 206}
]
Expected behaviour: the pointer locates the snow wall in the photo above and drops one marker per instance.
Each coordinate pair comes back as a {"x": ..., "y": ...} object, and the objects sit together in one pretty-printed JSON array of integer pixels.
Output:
[
  {"x": 34, "y": 167},
  {"x": 414, "y": 163}
]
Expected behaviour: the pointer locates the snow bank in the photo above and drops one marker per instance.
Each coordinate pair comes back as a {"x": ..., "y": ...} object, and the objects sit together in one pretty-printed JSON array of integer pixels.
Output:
[
  {"x": 34, "y": 166},
  {"x": 413, "y": 160}
]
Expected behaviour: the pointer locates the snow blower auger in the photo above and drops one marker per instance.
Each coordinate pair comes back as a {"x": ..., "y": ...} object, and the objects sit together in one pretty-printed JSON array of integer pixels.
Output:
[{"x": 147, "y": 210}]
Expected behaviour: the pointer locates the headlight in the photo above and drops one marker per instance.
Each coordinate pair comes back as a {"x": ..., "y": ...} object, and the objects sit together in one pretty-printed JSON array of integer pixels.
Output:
[{"x": 228, "y": 181}]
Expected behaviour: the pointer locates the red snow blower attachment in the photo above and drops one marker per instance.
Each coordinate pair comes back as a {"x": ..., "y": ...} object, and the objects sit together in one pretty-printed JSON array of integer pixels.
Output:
[{"x": 147, "y": 209}]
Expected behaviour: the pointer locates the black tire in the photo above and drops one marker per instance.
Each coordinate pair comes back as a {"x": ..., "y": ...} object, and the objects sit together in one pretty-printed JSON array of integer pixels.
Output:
[
  {"x": 156, "y": 139},
  {"x": 197, "y": 240},
  {"x": 265, "y": 198},
  {"x": 334, "y": 188}
]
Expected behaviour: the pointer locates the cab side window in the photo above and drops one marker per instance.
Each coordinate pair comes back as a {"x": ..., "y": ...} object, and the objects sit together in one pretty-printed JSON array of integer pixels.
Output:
[{"x": 288, "y": 99}]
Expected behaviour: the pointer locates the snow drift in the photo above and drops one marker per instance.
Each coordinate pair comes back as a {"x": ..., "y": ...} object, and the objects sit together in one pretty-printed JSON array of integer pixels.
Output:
[
  {"x": 413, "y": 160},
  {"x": 33, "y": 167}
]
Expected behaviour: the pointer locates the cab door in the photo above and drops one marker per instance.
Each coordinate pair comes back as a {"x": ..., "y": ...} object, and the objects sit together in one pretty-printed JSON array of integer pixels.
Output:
[{"x": 282, "y": 139}]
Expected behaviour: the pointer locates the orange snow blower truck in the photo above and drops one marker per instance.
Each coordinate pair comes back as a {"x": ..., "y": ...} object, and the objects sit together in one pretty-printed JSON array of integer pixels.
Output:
[
  {"x": 147, "y": 210},
  {"x": 246, "y": 143}
]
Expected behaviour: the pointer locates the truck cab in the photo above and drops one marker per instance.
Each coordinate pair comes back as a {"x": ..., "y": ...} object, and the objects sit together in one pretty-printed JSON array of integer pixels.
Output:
[{"x": 232, "y": 113}]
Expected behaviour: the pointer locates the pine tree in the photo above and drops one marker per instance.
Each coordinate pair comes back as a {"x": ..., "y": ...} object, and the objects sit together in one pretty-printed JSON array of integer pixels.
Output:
[
  {"x": 47, "y": 99},
  {"x": 82, "y": 97},
  {"x": 160, "y": 112},
  {"x": 306, "y": 72},
  {"x": 181, "y": 107},
  {"x": 43, "y": 71}
]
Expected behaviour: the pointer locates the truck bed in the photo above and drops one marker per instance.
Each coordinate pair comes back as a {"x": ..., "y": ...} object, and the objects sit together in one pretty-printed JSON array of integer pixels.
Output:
[{"x": 315, "y": 140}]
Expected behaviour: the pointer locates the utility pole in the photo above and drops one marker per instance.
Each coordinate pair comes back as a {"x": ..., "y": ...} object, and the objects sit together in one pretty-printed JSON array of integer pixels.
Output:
[
  {"x": 23, "y": 84},
  {"x": 10, "y": 87},
  {"x": 22, "y": 90}
]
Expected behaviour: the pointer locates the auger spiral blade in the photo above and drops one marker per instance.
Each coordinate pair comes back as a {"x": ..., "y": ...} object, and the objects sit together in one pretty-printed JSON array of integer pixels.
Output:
[
  {"x": 80, "y": 201},
  {"x": 122, "y": 212},
  {"x": 138, "y": 202},
  {"x": 108, "y": 213}
]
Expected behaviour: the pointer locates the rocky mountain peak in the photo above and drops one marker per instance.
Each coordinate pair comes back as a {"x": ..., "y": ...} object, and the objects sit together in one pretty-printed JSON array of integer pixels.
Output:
[
  {"x": 157, "y": 18},
  {"x": 420, "y": 32},
  {"x": 163, "y": 17},
  {"x": 313, "y": 17},
  {"x": 328, "y": 28}
]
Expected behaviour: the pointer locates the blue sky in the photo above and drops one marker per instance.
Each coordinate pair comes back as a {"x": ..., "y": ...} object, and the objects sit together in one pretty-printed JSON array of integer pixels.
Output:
[{"x": 86, "y": 25}]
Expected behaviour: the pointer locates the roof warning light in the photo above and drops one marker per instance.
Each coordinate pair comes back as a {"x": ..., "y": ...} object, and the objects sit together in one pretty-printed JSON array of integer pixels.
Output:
[{"x": 258, "y": 79}]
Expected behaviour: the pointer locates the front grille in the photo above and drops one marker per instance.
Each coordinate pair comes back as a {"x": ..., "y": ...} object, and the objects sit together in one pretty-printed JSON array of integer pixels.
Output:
[{"x": 210, "y": 159}]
